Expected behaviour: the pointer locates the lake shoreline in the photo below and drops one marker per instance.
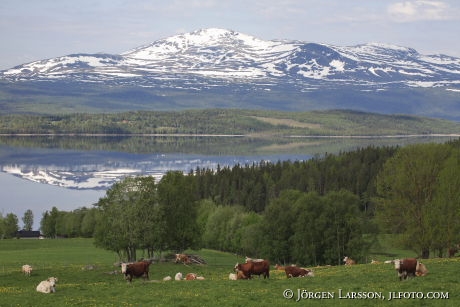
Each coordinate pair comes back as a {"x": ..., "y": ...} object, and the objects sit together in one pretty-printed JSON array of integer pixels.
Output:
[{"x": 227, "y": 135}]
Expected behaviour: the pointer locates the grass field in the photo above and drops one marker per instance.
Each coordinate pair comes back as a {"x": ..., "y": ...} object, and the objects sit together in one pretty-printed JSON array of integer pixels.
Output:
[{"x": 87, "y": 278}]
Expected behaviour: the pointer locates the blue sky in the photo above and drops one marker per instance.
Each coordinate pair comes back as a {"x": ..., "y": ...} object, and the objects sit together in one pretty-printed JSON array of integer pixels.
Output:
[{"x": 39, "y": 29}]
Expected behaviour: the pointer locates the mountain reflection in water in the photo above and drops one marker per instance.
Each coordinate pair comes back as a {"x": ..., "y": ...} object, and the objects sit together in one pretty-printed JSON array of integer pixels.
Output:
[{"x": 100, "y": 170}]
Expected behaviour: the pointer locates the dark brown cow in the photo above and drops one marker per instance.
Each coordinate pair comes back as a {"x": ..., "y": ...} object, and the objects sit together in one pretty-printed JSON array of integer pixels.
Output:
[
  {"x": 409, "y": 267},
  {"x": 254, "y": 268},
  {"x": 293, "y": 271},
  {"x": 136, "y": 269}
]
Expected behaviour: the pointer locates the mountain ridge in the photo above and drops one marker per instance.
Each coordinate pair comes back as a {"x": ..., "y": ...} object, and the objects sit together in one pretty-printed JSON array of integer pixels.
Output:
[{"x": 236, "y": 70}]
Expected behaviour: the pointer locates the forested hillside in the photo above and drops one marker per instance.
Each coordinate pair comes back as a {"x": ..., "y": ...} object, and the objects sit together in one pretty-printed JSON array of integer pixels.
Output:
[
  {"x": 227, "y": 121},
  {"x": 308, "y": 212}
]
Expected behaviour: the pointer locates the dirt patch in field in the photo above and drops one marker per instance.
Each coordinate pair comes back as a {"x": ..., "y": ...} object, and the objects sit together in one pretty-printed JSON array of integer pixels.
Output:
[
  {"x": 289, "y": 147},
  {"x": 287, "y": 122}
]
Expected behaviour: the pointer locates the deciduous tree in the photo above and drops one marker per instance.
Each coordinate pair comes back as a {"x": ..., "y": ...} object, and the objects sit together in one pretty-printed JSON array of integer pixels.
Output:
[
  {"x": 407, "y": 186},
  {"x": 10, "y": 225},
  {"x": 28, "y": 220},
  {"x": 126, "y": 216}
]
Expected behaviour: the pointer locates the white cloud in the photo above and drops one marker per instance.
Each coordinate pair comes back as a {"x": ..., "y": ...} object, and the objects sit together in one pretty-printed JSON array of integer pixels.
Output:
[{"x": 419, "y": 10}]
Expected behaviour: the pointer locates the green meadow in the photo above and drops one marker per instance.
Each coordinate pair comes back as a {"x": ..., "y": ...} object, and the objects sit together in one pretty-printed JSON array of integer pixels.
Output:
[{"x": 88, "y": 277}]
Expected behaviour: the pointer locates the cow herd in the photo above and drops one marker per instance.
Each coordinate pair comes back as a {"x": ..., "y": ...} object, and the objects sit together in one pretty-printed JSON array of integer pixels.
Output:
[
  {"x": 405, "y": 268},
  {"x": 408, "y": 267},
  {"x": 141, "y": 269}
]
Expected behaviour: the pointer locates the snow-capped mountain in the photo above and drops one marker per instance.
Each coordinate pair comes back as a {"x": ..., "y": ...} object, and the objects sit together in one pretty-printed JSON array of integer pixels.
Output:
[
  {"x": 241, "y": 65},
  {"x": 217, "y": 53}
]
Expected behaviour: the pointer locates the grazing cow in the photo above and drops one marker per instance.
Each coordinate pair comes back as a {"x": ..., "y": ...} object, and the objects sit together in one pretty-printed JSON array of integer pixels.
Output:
[
  {"x": 232, "y": 276},
  {"x": 185, "y": 259},
  {"x": 254, "y": 268},
  {"x": 178, "y": 276},
  {"x": 47, "y": 286},
  {"x": 348, "y": 261},
  {"x": 409, "y": 267},
  {"x": 294, "y": 271},
  {"x": 26, "y": 269},
  {"x": 136, "y": 269}
]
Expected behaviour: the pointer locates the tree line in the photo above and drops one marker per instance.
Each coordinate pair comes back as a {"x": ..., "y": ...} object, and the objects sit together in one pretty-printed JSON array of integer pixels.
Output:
[
  {"x": 224, "y": 121},
  {"x": 310, "y": 212}
]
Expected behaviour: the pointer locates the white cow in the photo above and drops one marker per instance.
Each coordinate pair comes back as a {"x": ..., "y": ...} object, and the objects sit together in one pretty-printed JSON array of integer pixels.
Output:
[
  {"x": 26, "y": 269},
  {"x": 178, "y": 276},
  {"x": 47, "y": 286}
]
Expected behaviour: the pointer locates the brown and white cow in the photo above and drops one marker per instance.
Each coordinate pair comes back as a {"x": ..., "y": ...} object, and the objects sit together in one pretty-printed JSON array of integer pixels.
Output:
[
  {"x": 136, "y": 269},
  {"x": 294, "y": 271},
  {"x": 190, "y": 276},
  {"x": 185, "y": 259},
  {"x": 254, "y": 268},
  {"x": 349, "y": 261},
  {"x": 409, "y": 267}
]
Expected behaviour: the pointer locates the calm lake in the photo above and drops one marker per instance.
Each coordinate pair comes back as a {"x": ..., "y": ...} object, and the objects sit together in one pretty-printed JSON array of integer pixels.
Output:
[{"x": 38, "y": 173}]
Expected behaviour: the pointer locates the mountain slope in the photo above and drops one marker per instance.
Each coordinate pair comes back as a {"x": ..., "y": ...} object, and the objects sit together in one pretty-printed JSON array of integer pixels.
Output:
[{"x": 222, "y": 68}]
